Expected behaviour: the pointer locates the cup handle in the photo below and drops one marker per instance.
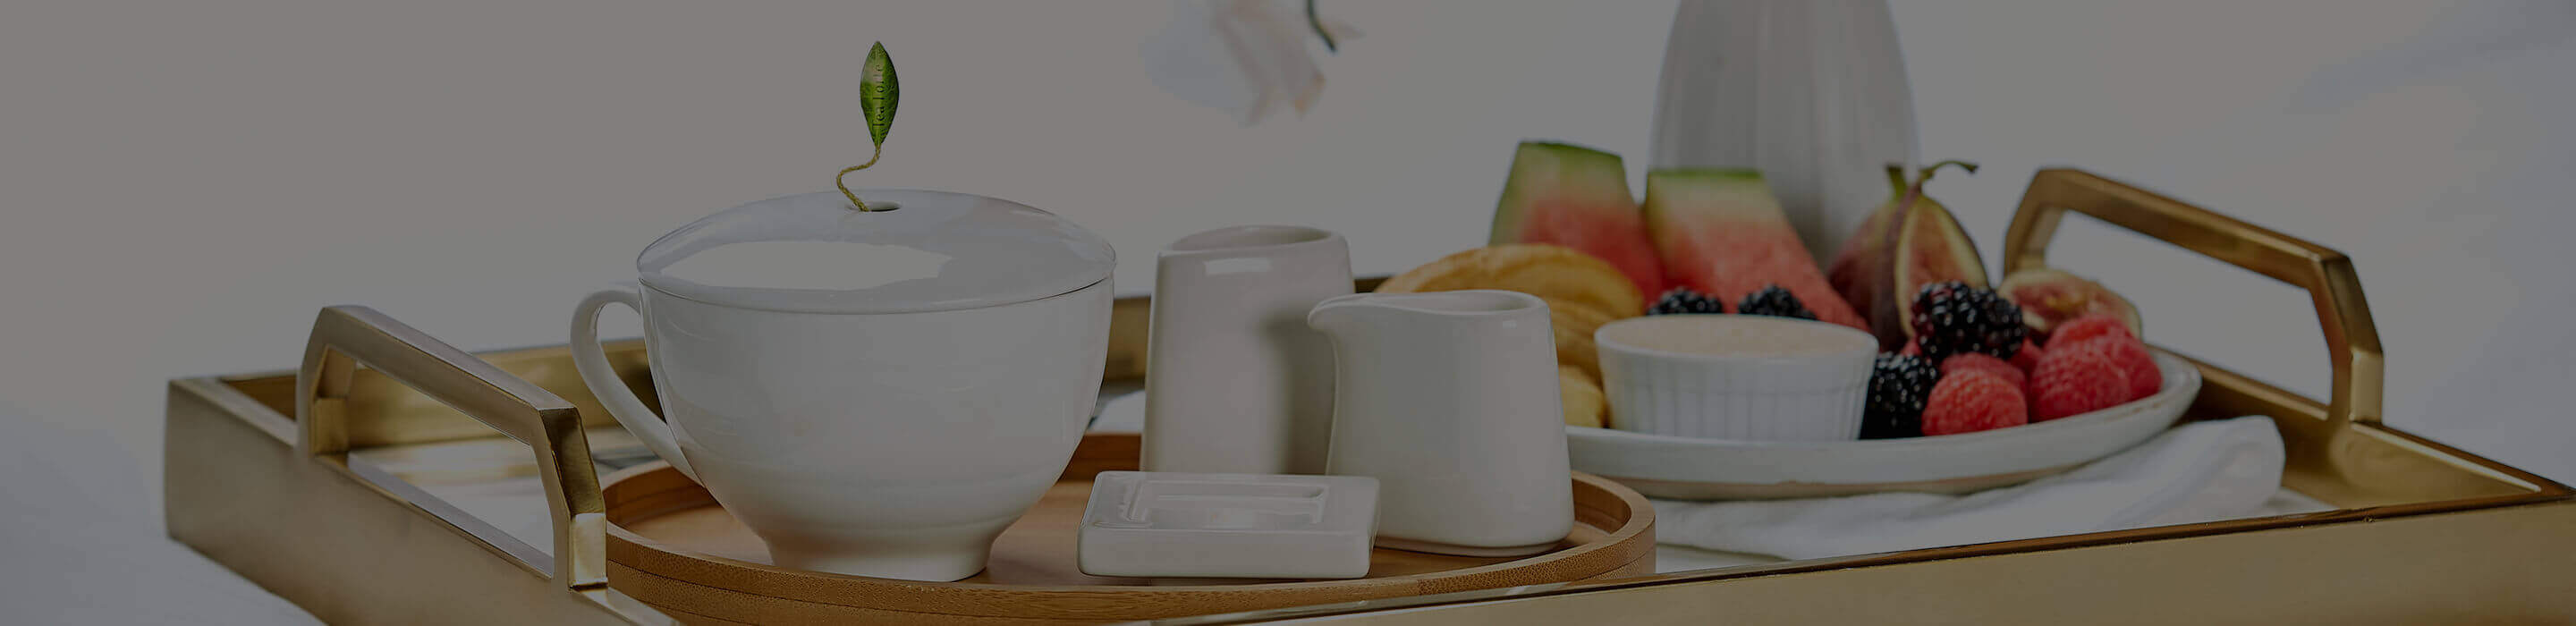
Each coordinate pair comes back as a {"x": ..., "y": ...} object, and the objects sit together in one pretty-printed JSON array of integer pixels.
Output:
[{"x": 592, "y": 361}]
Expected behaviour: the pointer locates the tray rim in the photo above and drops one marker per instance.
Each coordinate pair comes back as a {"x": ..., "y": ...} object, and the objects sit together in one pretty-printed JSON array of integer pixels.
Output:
[
  {"x": 1622, "y": 548},
  {"x": 221, "y": 391}
]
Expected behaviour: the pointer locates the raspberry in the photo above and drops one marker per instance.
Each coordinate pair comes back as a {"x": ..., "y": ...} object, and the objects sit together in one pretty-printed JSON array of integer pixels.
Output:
[
  {"x": 1971, "y": 401},
  {"x": 2028, "y": 358},
  {"x": 2088, "y": 327},
  {"x": 1681, "y": 300},
  {"x": 2073, "y": 380},
  {"x": 1974, "y": 362},
  {"x": 2132, "y": 357}
]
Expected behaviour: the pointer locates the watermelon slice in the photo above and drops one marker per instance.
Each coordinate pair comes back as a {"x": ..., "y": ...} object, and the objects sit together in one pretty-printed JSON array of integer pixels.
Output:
[
  {"x": 1578, "y": 197},
  {"x": 1722, "y": 234}
]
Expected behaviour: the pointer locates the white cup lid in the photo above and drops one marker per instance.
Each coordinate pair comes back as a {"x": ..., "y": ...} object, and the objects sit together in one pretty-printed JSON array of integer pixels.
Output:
[{"x": 920, "y": 251}]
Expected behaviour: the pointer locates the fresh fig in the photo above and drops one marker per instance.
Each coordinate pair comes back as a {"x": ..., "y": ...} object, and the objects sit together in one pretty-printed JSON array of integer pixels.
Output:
[
  {"x": 2048, "y": 297},
  {"x": 1907, "y": 243},
  {"x": 1855, "y": 273}
]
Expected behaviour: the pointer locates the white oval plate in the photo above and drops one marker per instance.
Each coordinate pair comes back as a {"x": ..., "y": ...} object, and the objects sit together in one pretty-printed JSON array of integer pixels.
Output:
[{"x": 1690, "y": 468}]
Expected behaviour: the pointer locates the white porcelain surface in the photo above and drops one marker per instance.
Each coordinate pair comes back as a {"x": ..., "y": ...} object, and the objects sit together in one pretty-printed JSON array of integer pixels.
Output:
[
  {"x": 1235, "y": 379},
  {"x": 1813, "y": 393},
  {"x": 922, "y": 251},
  {"x": 1681, "y": 467},
  {"x": 1450, "y": 400},
  {"x": 889, "y": 429},
  {"x": 895, "y": 445},
  {"x": 1812, "y": 93},
  {"x": 1228, "y": 525}
]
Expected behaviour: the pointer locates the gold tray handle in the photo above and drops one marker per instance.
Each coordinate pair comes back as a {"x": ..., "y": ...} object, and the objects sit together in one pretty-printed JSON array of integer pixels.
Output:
[
  {"x": 345, "y": 336},
  {"x": 2353, "y": 340}
]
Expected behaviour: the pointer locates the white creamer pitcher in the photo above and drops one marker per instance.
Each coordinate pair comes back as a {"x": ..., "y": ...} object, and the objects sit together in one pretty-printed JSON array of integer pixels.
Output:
[
  {"x": 1449, "y": 399},
  {"x": 876, "y": 393}
]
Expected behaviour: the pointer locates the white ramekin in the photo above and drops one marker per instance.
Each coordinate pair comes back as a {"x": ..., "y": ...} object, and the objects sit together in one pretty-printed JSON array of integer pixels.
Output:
[{"x": 1806, "y": 396}]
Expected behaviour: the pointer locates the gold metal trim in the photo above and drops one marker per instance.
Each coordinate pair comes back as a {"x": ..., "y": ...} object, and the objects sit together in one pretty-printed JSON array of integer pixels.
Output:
[
  {"x": 2352, "y": 339},
  {"x": 2359, "y": 370},
  {"x": 346, "y": 336}
]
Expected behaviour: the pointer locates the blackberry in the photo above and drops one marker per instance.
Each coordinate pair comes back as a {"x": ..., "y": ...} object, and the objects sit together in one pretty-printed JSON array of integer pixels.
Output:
[
  {"x": 1774, "y": 301},
  {"x": 1683, "y": 300},
  {"x": 1899, "y": 385},
  {"x": 1951, "y": 318}
]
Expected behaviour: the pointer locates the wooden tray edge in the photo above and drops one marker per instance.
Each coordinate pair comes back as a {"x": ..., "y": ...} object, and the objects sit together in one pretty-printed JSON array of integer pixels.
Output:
[{"x": 1598, "y": 500}]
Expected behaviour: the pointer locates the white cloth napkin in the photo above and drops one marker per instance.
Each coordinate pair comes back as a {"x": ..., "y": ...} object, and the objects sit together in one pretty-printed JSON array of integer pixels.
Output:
[{"x": 2200, "y": 472}]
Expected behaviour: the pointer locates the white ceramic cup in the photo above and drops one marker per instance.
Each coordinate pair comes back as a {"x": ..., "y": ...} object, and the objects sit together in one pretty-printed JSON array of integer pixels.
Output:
[
  {"x": 894, "y": 445},
  {"x": 1742, "y": 377},
  {"x": 1235, "y": 381}
]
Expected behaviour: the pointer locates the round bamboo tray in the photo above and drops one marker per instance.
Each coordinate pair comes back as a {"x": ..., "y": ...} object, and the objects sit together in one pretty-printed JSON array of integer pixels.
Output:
[{"x": 672, "y": 547}]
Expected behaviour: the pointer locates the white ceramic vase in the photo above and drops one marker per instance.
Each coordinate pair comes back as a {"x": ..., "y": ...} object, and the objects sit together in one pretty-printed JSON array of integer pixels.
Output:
[
  {"x": 1235, "y": 381},
  {"x": 1811, "y": 92},
  {"x": 1449, "y": 399}
]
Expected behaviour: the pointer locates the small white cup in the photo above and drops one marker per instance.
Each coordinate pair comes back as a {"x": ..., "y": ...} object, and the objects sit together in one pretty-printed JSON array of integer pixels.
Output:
[{"x": 1741, "y": 377}]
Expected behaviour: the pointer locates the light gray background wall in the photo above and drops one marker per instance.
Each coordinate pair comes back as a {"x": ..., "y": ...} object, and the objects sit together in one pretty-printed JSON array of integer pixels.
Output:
[{"x": 185, "y": 182}]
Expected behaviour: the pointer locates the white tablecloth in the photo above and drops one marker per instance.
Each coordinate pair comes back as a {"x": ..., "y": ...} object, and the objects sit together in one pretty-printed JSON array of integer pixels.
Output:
[{"x": 79, "y": 544}]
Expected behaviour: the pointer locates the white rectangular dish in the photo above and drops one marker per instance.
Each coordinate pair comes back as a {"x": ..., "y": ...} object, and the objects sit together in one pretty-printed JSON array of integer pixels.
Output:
[{"x": 1228, "y": 525}]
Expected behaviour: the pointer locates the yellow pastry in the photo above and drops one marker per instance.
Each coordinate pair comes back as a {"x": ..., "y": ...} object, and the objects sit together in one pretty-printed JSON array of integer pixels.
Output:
[
  {"x": 1581, "y": 394},
  {"x": 1546, "y": 271},
  {"x": 1574, "y": 322}
]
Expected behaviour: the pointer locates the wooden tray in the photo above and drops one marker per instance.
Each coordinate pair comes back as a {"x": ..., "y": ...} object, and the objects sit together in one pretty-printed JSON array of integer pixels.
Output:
[{"x": 673, "y": 548}]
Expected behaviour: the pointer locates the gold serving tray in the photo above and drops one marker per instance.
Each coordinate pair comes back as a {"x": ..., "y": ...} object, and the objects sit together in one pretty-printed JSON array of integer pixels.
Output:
[{"x": 350, "y": 488}]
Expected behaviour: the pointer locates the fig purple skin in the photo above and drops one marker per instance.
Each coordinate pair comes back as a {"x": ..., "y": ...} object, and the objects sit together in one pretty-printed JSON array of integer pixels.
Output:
[{"x": 1908, "y": 242}]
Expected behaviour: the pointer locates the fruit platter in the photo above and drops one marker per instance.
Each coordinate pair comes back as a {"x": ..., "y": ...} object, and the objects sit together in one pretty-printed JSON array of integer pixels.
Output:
[{"x": 1970, "y": 381}]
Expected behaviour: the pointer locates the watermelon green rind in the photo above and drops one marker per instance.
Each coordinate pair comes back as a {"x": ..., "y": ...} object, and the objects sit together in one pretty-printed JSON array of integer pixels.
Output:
[
  {"x": 1722, "y": 233},
  {"x": 1577, "y": 197},
  {"x": 1725, "y": 173},
  {"x": 1542, "y": 168}
]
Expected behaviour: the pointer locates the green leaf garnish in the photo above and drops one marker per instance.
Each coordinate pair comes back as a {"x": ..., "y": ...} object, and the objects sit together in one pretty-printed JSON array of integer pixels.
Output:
[
  {"x": 877, "y": 96},
  {"x": 878, "y": 92}
]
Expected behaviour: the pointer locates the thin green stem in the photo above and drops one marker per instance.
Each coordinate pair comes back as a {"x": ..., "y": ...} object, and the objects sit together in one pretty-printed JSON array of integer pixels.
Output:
[
  {"x": 855, "y": 202},
  {"x": 1317, "y": 22},
  {"x": 1926, "y": 174}
]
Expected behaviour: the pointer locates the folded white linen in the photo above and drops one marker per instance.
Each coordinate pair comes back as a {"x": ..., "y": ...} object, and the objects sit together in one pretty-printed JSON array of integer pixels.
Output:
[{"x": 2198, "y": 472}]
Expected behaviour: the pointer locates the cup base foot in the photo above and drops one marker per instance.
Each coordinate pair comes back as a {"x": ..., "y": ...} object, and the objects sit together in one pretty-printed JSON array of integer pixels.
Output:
[
  {"x": 920, "y": 567},
  {"x": 1435, "y": 547}
]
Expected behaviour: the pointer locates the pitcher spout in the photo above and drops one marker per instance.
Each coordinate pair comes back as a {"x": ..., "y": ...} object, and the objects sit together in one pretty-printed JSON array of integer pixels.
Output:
[{"x": 1340, "y": 315}]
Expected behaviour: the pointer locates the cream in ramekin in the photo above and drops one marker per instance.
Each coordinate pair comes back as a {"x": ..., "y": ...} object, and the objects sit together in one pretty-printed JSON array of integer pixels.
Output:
[{"x": 1743, "y": 377}]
